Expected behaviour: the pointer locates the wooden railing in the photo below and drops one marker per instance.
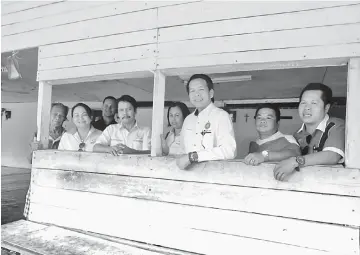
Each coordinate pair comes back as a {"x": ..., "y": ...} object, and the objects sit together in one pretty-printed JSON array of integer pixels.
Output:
[{"x": 222, "y": 207}]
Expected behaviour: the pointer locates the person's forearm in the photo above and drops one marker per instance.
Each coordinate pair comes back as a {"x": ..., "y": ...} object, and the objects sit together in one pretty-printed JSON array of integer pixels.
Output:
[
  {"x": 322, "y": 158},
  {"x": 133, "y": 151},
  {"x": 284, "y": 154},
  {"x": 101, "y": 148}
]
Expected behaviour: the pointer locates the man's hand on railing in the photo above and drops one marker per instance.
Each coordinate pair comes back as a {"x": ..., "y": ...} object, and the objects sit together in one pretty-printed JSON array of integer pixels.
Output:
[
  {"x": 183, "y": 161},
  {"x": 285, "y": 168}
]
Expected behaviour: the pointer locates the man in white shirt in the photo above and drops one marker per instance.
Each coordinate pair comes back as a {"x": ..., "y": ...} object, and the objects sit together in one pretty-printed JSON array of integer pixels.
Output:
[
  {"x": 207, "y": 133},
  {"x": 126, "y": 137}
]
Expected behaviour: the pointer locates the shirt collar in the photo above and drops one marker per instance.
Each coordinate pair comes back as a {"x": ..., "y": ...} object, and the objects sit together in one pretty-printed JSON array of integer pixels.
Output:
[
  {"x": 270, "y": 138},
  {"x": 206, "y": 111},
  {"x": 92, "y": 129},
  {"x": 122, "y": 127},
  {"x": 321, "y": 126}
]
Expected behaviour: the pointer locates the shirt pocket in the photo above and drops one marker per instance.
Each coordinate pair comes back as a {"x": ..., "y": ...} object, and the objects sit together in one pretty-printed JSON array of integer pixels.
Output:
[
  {"x": 208, "y": 140},
  {"x": 138, "y": 143}
]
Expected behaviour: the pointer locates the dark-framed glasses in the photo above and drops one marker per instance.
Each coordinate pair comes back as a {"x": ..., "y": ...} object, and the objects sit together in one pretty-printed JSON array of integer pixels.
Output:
[{"x": 81, "y": 146}]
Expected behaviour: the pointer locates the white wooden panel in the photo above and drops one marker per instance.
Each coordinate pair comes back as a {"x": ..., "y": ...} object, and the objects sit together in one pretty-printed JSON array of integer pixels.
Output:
[
  {"x": 261, "y": 60},
  {"x": 43, "y": 114},
  {"x": 299, "y": 233},
  {"x": 340, "y": 34},
  {"x": 130, "y": 66},
  {"x": 98, "y": 57},
  {"x": 299, "y": 205},
  {"x": 183, "y": 239},
  {"x": 116, "y": 8},
  {"x": 157, "y": 126},
  {"x": 54, "y": 240},
  {"x": 352, "y": 115},
  {"x": 24, "y": 5},
  {"x": 283, "y": 21},
  {"x": 97, "y": 44},
  {"x": 47, "y": 10},
  {"x": 212, "y": 10},
  {"x": 136, "y": 21},
  {"x": 319, "y": 179}
]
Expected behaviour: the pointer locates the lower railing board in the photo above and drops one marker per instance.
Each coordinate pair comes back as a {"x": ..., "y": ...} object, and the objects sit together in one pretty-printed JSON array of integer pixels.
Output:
[
  {"x": 299, "y": 205},
  {"x": 54, "y": 241},
  {"x": 103, "y": 213},
  {"x": 193, "y": 240}
]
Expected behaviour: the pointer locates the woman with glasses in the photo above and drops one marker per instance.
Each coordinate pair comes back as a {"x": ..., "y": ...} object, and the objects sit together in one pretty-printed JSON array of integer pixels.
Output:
[
  {"x": 176, "y": 115},
  {"x": 85, "y": 135},
  {"x": 272, "y": 145}
]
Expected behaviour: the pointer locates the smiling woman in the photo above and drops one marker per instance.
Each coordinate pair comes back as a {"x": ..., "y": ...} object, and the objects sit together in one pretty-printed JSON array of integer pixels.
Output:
[{"x": 84, "y": 138}]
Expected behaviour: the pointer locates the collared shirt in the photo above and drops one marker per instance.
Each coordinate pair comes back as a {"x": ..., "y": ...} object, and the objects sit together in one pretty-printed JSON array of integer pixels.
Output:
[
  {"x": 71, "y": 142},
  {"x": 276, "y": 142},
  {"x": 210, "y": 134},
  {"x": 53, "y": 143},
  {"x": 335, "y": 141},
  {"x": 100, "y": 124},
  {"x": 139, "y": 138},
  {"x": 173, "y": 142}
]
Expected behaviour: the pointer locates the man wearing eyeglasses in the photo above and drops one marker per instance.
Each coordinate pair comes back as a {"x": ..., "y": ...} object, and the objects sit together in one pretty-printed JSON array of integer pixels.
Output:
[
  {"x": 207, "y": 133},
  {"x": 321, "y": 137}
]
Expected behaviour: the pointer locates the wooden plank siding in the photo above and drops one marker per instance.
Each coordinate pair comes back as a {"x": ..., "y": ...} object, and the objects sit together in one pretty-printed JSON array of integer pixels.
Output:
[
  {"x": 214, "y": 208},
  {"x": 322, "y": 179},
  {"x": 193, "y": 36}
]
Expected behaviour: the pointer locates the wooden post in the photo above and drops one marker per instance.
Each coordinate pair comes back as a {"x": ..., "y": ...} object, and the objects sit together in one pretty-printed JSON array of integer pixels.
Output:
[
  {"x": 352, "y": 135},
  {"x": 158, "y": 113},
  {"x": 43, "y": 114}
]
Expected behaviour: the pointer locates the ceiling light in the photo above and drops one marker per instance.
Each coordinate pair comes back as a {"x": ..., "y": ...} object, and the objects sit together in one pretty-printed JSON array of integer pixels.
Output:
[{"x": 224, "y": 79}]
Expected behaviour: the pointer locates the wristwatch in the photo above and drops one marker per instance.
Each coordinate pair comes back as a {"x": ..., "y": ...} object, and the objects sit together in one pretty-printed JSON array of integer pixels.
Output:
[
  {"x": 265, "y": 155},
  {"x": 301, "y": 162},
  {"x": 193, "y": 157}
]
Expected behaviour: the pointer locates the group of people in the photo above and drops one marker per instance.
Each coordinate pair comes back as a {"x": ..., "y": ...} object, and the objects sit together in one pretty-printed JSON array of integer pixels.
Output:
[{"x": 207, "y": 133}]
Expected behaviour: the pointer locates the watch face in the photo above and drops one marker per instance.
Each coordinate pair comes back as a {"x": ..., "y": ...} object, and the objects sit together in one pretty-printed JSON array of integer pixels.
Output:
[{"x": 300, "y": 160}]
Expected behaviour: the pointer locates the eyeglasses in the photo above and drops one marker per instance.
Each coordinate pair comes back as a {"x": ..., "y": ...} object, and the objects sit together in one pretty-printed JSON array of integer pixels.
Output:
[{"x": 81, "y": 146}]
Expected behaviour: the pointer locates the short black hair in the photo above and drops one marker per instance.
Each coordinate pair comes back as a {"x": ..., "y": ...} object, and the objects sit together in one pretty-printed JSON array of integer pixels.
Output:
[
  {"x": 65, "y": 108},
  {"x": 86, "y": 107},
  {"x": 184, "y": 109},
  {"x": 206, "y": 78},
  {"x": 274, "y": 107},
  {"x": 109, "y": 97},
  {"x": 326, "y": 91},
  {"x": 129, "y": 99}
]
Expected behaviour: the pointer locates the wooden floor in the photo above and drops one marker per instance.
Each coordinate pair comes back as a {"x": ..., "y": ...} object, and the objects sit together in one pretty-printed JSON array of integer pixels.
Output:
[{"x": 14, "y": 185}]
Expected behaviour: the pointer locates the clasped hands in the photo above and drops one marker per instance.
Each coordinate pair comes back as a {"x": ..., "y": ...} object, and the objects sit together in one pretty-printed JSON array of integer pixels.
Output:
[{"x": 119, "y": 149}]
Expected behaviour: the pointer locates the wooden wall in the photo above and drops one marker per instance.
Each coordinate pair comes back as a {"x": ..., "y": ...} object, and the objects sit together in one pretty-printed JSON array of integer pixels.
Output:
[
  {"x": 82, "y": 39},
  {"x": 223, "y": 207}
]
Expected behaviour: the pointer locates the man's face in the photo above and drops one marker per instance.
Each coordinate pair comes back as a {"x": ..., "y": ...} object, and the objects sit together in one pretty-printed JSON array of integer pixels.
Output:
[
  {"x": 311, "y": 108},
  {"x": 57, "y": 116},
  {"x": 109, "y": 108},
  {"x": 199, "y": 93},
  {"x": 126, "y": 112},
  {"x": 265, "y": 121}
]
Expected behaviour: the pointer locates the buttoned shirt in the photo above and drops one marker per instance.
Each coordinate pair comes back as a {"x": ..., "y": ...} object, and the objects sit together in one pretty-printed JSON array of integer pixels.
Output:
[
  {"x": 174, "y": 143},
  {"x": 138, "y": 138},
  {"x": 210, "y": 133},
  {"x": 71, "y": 142},
  {"x": 335, "y": 141}
]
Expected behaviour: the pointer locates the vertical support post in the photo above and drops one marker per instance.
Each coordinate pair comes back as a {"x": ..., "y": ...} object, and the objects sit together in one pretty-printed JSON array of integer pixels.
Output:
[
  {"x": 43, "y": 114},
  {"x": 158, "y": 113},
  {"x": 352, "y": 134}
]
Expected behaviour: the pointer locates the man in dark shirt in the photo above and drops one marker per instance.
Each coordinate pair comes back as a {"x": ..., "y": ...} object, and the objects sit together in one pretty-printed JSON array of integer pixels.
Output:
[{"x": 108, "y": 113}]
